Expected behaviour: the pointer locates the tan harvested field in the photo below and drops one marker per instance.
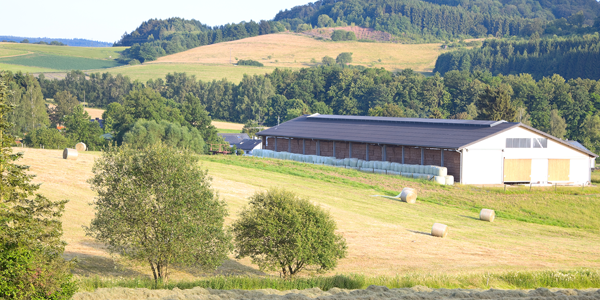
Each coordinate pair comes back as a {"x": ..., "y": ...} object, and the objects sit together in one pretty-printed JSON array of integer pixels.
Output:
[
  {"x": 296, "y": 51},
  {"x": 228, "y": 125},
  {"x": 95, "y": 112},
  {"x": 384, "y": 237}
]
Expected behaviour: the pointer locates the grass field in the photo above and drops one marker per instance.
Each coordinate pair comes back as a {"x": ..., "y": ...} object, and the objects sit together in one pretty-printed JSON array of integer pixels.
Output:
[
  {"x": 59, "y": 62},
  {"x": 106, "y": 53},
  {"x": 297, "y": 51},
  {"x": 212, "y": 62},
  {"x": 535, "y": 231}
]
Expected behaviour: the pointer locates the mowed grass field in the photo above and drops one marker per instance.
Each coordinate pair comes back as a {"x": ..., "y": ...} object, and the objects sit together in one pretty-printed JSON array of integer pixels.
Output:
[
  {"x": 538, "y": 230},
  {"x": 35, "y": 58}
]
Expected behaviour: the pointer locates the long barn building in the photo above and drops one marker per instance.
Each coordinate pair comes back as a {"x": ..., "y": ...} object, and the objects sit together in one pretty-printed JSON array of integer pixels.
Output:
[{"x": 474, "y": 152}]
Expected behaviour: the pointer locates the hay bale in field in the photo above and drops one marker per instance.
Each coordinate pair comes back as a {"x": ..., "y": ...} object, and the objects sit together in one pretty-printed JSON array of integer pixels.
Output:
[
  {"x": 408, "y": 195},
  {"x": 70, "y": 154},
  {"x": 439, "y": 230},
  {"x": 449, "y": 180},
  {"x": 81, "y": 147},
  {"x": 487, "y": 215}
]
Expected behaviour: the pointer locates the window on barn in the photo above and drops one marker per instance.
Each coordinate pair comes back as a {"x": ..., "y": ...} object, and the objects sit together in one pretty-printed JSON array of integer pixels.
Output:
[
  {"x": 540, "y": 143},
  {"x": 518, "y": 143}
]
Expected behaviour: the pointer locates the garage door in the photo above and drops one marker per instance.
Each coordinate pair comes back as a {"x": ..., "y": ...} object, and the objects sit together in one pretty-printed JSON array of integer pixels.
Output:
[
  {"x": 559, "y": 169},
  {"x": 517, "y": 170}
]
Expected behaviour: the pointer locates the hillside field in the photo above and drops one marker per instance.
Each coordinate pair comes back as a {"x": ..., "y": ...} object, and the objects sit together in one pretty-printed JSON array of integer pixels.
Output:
[
  {"x": 296, "y": 51},
  {"x": 211, "y": 62},
  {"x": 538, "y": 230}
]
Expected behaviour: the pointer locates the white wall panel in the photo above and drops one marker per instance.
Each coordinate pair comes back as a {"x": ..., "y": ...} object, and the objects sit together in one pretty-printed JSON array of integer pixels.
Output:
[{"x": 482, "y": 167}]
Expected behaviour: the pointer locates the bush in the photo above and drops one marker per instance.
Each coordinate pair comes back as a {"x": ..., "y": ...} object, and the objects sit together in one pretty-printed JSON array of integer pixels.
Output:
[
  {"x": 49, "y": 138},
  {"x": 249, "y": 62},
  {"x": 342, "y": 35},
  {"x": 281, "y": 232},
  {"x": 144, "y": 133}
]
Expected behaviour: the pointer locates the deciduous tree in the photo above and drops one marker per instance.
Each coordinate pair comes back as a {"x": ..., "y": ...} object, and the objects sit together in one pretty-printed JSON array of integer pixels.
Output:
[
  {"x": 156, "y": 205},
  {"x": 281, "y": 232}
]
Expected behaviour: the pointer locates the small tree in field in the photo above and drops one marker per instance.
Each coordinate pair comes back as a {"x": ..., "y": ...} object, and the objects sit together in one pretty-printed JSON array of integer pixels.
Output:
[
  {"x": 156, "y": 205},
  {"x": 281, "y": 232}
]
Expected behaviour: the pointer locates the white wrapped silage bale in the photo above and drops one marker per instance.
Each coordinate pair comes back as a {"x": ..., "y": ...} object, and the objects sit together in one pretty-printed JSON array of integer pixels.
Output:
[
  {"x": 449, "y": 180},
  {"x": 256, "y": 152},
  {"x": 439, "y": 179},
  {"x": 359, "y": 163},
  {"x": 386, "y": 165},
  {"x": 411, "y": 169},
  {"x": 354, "y": 162},
  {"x": 393, "y": 173},
  {"x": 405, "y": 174},
  {"x": 378, "y": 165},
  {"x": 394, "y": 167},
  {"x": 428, "y": 170},
  {"x": 379, "y": 171},
  {"x": 368, "y": 170},
  {"x": 329, "y": 161},
  {"x": 427, "y": 177}
]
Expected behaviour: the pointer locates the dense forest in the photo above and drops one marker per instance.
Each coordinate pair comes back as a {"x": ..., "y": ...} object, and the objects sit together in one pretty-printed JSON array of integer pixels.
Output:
[
  {"x": 569, "y": 57},
  {"x": 565, "y": 108},
  {"x": 410, "y": 21}
]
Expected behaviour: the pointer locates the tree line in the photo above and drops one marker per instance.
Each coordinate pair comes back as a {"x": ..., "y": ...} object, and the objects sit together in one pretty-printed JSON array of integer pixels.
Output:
[
  {"x": 571, "y": 57},
  {"x": 564, "y": 108},
  {"x": 408, "y": 20}
]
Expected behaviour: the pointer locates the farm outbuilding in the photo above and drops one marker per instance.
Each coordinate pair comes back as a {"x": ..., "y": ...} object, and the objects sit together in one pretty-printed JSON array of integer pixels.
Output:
[{"x": 474, "y": 152}]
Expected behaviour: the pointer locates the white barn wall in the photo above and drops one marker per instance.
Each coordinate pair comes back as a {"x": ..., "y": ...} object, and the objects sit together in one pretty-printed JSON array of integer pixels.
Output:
[{"x": 483, "y": 162}]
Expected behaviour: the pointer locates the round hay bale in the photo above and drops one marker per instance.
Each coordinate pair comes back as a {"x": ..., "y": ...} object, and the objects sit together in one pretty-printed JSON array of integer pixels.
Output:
[
  {"x": 439, "y": 230},
  {"x": 408, "y": 195},
  {"x": 81, "y": 147},
  {"x": 69, "y": 153},
  {"x": 487, "y": 215}
]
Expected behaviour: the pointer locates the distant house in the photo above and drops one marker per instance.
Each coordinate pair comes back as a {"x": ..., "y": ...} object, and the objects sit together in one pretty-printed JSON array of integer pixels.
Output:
[
  {"x": 234, "y": 138},
  {"x": 248, "y": 145},
  {"x": 100, "y": 122}
]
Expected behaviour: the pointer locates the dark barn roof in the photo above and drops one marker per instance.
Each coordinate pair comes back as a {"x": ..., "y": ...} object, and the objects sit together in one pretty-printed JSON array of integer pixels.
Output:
[
  {"x": 248, "y": 144},
  {"x": 234, "y": 138},
  {"x": 429, "y": 133}
]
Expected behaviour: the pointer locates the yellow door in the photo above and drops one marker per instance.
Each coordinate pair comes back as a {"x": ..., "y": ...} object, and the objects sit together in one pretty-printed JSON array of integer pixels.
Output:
[
  {"x": 517, "y": 170},
  {"x": 559, "y": 169}
]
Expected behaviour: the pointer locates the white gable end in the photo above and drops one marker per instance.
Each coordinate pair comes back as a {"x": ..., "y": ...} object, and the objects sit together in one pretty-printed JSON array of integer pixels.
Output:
[{"x": 484, "y": 162}]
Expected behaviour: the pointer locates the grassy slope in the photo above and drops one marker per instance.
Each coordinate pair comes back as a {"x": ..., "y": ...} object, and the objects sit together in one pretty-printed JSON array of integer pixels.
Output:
[
  {"x": 296, "y": 51},
  {"x": 211, "y": 62},
  {"x": 385, "y": 237},
  {"x": 35, "y": 58}
]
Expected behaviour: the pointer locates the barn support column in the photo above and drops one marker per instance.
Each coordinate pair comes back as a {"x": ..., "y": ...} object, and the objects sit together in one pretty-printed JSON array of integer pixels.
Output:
[
  {"x": 319, "y": 148},
  {"x": 384, "y": 152},
  {"x": 334, "y": 154},
  {"x": 442, "y": 164},
  {"x": 264, "y": 142},
  {"x": 402, "y": 154},
  {"x": 303, "y": 146},
  {"x": 367, "y": 152},
  {"x": 275, "y": 144},
  {"x": 350, "y": 149},
  {"x": 290, "y": 145},
  {"x": 422, "y": 156}
]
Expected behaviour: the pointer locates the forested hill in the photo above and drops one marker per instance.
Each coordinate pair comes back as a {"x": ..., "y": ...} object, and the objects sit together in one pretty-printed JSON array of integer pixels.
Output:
[
  {"x": 575, "y": 57},
  {"x": 68, "y": 42}
]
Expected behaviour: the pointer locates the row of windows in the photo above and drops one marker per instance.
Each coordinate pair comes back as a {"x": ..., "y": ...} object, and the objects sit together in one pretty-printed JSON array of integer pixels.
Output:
[{"x": 527, "y": 143}]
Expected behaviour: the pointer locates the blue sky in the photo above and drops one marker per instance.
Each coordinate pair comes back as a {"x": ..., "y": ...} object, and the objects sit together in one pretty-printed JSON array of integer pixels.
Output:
[{"x": 107, "y": 20}]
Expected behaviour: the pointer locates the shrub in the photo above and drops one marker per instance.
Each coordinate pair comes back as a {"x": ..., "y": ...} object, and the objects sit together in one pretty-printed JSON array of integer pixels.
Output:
[
  {"x": 342, "y": 35},
  {"x": 144, "y": 133},
  {"x": 49, "y": 138},
  {"x": 281, "y": 232},
  {"x": 249, "y": 62}
]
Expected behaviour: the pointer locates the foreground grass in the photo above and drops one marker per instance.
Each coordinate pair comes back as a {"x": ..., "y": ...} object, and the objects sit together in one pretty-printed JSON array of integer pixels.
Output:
[
  {"x": 568, "y": 207},
  {"x": 574, "y": 279}
]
